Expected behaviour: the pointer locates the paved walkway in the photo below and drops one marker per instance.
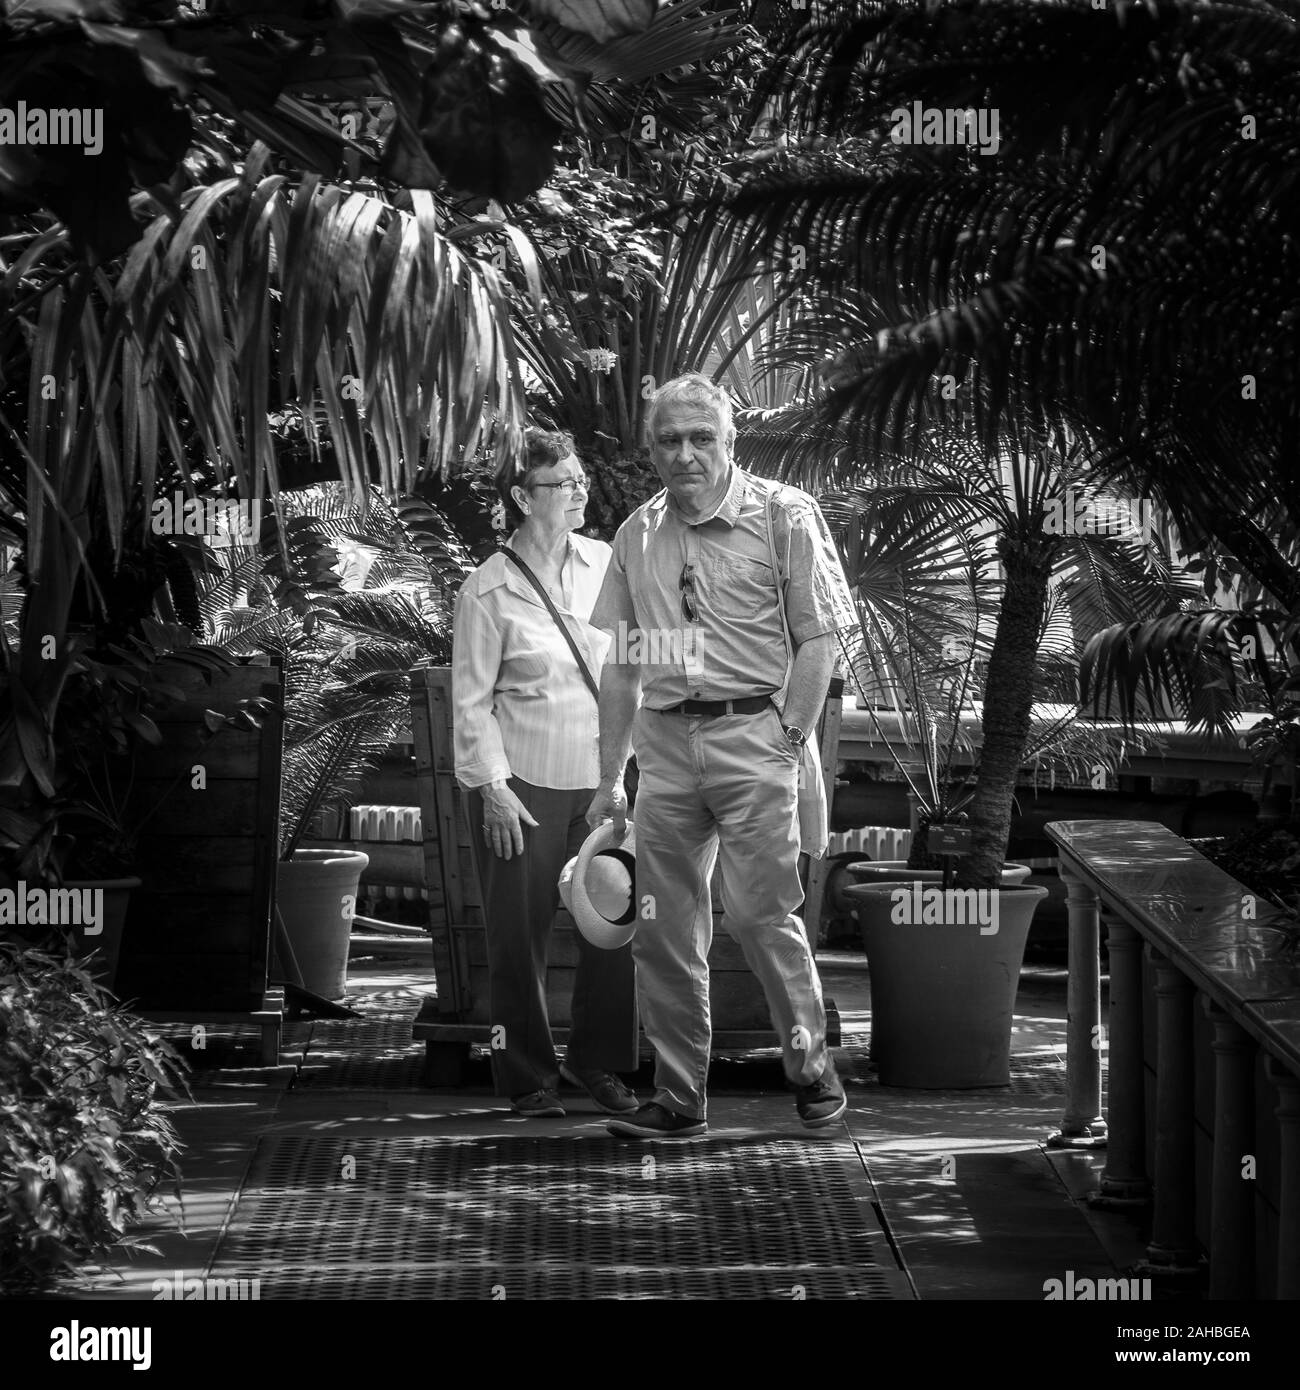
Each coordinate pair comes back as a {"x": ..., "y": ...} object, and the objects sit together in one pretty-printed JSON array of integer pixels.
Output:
[{"x": 335, "y": 1175}]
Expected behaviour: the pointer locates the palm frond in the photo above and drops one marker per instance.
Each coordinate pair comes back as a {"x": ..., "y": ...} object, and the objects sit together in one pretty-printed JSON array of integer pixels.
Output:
[
  {"x": 1200, "y": 658},
  {"x": 262, "y": 294},
  {"x": 1068, "y": 281},
  {"x": 320, "y": 769}
]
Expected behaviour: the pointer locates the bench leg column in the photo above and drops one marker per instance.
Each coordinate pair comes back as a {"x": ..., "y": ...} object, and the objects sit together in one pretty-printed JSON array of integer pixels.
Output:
[
  {"x": 1082, "y": 1126},
  {"x": 1173, "y": 1250},
  {"x": 1232, "y": 1209},
  {"x": 1124, "y": 1181},
  {"x": 1288, "y": 1216}
]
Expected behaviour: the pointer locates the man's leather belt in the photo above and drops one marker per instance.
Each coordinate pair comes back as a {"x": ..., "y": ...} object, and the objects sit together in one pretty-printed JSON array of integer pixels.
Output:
[{"x": 754, "y": 704}]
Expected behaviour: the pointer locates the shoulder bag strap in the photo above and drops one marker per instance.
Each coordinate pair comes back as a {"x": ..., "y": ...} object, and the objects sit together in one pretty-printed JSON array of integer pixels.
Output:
[
  {"x": 780, "y": 601},
  {"x": 559, "y": 621}
]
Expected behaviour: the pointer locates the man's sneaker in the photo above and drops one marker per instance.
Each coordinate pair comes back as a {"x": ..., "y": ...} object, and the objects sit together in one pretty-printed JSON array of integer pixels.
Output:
[
  {"x": 604, "y": 1088},
  {"x": 654, "y": 1121},
  {"x": 537, "y": 1105},
  {"x": 823, "y": 1101}
]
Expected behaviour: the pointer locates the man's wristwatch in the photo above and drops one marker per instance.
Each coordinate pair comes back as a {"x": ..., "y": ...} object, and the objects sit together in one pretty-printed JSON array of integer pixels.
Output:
[{"x": 795, "y": 734}]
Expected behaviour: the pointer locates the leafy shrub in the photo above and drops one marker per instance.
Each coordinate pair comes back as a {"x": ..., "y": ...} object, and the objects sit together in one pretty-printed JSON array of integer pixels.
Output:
[
  {"x": 84, "y": 1144},
  {"x": 1266, "y": 858}
]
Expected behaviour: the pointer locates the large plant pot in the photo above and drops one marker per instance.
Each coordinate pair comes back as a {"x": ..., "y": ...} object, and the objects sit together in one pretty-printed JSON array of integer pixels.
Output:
[
  {"x": 943, "y": 993},
  {"x": 107, "y": 942},
  {"x": 896, "y": 871},
  {"x": 316, "y": 894}
]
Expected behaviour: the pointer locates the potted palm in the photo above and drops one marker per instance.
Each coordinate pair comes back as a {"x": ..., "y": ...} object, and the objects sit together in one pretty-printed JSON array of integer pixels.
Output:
[
  {"x": 349, "y": 594},
  {"x": 926, "y": 603},
  {"x": 951, "y": 628},
  {"x": 981, "y": 612},
  {"x": 945, "y": 962}
]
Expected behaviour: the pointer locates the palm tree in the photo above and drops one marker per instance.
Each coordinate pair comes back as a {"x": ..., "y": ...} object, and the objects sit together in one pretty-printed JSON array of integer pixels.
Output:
[
  {"x": 251, "y": 295},
  {"x": 1102, "y": 289},
  {"x": 470, "y": 95},
  {"x": 1232, "y": 653},
  {"x": 1125, "y": 265},
  {"x": 346, "y": 650},
  {"x": 664, "y": 293},
  {"x": 1051, "y": 589},
  {"x": 260, "y": 313},
  {"x": 925, "y": 580}
]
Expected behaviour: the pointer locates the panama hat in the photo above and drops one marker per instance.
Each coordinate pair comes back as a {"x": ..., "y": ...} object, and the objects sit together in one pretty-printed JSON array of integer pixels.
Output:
[{"x": 598, "y": 887}]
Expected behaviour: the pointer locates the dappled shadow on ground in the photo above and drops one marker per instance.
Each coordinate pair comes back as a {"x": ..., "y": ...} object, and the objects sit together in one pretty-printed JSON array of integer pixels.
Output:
[
  {"x": 556, "y": 1217},
  {"x": 997, "y": 1223}
]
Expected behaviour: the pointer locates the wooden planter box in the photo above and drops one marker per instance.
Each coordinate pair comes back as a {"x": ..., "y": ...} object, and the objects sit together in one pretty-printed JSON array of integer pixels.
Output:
[{"x": 198, "y": 932}]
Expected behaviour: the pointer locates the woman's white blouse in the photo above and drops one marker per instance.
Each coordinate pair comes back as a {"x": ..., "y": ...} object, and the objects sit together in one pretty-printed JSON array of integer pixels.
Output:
[{"x": 520, "y": 705}]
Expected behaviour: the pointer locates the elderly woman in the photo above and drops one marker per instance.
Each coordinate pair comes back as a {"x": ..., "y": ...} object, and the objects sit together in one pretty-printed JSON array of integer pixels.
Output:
[{"x": 526, "y": 753}]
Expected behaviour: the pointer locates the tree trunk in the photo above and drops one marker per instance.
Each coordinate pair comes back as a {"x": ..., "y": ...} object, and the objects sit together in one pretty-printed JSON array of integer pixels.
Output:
[{"x": 1008, "y": 706}]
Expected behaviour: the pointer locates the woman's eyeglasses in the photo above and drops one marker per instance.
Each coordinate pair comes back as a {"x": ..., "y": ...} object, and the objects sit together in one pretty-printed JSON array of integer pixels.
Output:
[
  {"x": 569, "y": 485},
  {"x": 690, "y": 609}
]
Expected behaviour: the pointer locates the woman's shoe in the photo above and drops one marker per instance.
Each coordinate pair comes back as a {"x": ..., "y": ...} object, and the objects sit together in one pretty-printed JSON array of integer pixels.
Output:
[
  {"x": 537, "y": 1105},
  {"x": 604, "y": 1088}
]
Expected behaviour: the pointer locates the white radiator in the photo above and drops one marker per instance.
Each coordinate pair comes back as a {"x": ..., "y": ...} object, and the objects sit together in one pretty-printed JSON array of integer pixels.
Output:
[
  {"x": 878, "y": 841},
  {"x": 387, "y": 823}
]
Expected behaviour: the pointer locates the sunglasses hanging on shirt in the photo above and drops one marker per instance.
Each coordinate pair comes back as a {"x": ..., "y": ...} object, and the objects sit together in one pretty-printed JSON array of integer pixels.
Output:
[{"x": 690, "y": 607}]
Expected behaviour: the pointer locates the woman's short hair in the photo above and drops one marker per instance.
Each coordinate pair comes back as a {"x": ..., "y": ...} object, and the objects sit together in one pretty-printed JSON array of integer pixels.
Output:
[{"x": 542, "y": 449}]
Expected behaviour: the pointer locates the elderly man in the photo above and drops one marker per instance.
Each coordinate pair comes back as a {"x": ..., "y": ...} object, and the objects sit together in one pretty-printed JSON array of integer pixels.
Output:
[{"x": 718, "y": 740}]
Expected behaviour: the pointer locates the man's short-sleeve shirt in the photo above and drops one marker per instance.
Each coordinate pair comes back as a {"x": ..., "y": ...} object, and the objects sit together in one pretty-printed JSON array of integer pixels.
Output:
[{"x": 734, "y": 647}]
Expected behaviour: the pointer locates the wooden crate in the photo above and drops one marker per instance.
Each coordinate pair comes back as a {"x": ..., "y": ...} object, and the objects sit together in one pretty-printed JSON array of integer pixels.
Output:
[
  {"x": 197, "y": 941},
  {"x": 459, "y": 1014}
]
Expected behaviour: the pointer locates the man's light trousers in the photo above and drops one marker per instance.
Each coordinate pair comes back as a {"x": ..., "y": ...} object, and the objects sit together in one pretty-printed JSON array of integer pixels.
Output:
[{"x": 719, "y": 788}]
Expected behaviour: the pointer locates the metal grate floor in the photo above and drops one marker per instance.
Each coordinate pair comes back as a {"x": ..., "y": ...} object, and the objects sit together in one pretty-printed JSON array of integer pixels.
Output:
[
  {"x": 557, "y": 1217},
  {"x": 348, "y": 1054},
  {"x": 229, "y": 1047}
]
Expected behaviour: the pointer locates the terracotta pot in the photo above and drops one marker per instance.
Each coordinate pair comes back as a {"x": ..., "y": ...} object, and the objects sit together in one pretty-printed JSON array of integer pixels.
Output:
[
  {"x": 316, "y": 894},
  {"x": 943, "y": 989}
]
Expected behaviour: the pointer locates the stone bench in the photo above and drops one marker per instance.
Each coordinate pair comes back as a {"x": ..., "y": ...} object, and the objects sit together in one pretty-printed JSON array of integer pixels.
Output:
[{"x": 1229, "y": 1077}]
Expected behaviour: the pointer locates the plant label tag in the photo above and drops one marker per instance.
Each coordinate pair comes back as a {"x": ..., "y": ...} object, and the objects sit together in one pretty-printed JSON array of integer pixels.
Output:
[{"x": 949, "y": 839}]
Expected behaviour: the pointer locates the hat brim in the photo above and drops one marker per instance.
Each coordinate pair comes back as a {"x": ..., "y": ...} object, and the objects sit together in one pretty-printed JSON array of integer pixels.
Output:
[
  {"x": 600, "y": 931},
  {"x": 566, "y": 884}
]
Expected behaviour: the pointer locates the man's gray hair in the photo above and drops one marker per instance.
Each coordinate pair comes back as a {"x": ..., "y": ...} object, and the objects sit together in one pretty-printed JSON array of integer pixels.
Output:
[{"x": 696, "y": 389}]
